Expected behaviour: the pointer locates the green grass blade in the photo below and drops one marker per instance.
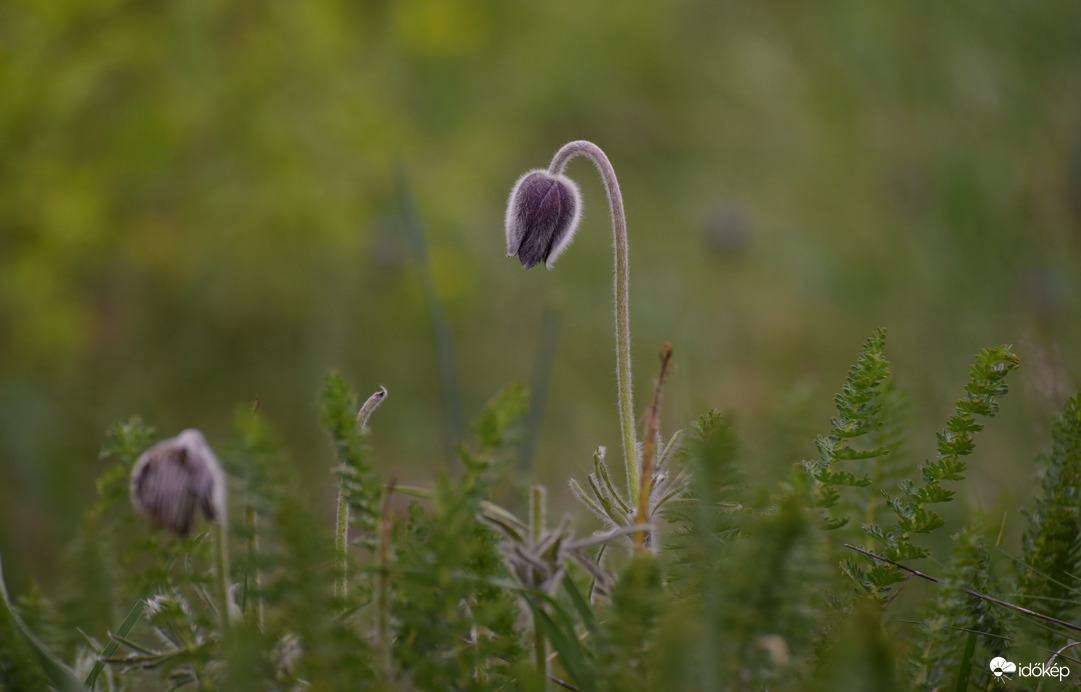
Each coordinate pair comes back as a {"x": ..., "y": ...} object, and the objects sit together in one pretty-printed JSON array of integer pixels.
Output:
[
  {"x": 579, "y": 602},
  {"x": 966, "y": 663},
  {"x": 114, "y": 642},
  {"x": 572, "y": 656}
]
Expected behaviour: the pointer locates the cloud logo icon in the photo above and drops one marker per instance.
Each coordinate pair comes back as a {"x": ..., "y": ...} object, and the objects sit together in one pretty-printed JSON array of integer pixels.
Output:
[{"x": 1000, "y": 666}]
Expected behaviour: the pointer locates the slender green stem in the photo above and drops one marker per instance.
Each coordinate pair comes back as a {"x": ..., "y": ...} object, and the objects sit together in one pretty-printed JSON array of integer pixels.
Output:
[
  {"x": 622, "y": 297},
  {"x": 341, "y": 544},
  {"x": 536, "y": 513},
  {"x": 383, "y": 593},
  {"x": 539, "y": 646},
  {"x": 966, "y": 662},
  {"x": 537, "y": 521},
  {"x": 257, "y": 578},
  {"x": 221, "y": 569}
]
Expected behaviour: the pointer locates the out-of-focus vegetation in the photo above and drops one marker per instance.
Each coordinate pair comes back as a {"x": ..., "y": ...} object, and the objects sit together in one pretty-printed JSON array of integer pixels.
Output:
[
  {"x": 734, "y": 588},
  {"x": 198, "y": 210}
]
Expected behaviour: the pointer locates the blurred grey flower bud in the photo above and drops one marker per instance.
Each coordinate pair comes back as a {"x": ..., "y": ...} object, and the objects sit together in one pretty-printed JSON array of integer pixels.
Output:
[
  {"x": 542, "y": 216},
  {"x": 175, "y": 478},
  {"x": 727, "y": 230}
]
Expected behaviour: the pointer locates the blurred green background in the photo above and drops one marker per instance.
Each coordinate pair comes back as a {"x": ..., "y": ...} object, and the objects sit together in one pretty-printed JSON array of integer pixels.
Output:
[{"x": 199, "y": 209}]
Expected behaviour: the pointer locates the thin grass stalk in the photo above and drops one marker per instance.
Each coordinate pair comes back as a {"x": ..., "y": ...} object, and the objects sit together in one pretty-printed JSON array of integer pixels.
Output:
[
  {"x": 257, "y": 576},
  {"x": 383, "y": 591},
  {"x": 341, "y": 545},
  {"x": 991, "y": 599},
  {"x": 221, "y": 571},
  {"x": 536, "y": 531}
]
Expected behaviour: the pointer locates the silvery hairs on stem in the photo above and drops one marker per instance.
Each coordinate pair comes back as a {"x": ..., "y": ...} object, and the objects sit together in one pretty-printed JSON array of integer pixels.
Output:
[{"x": 177, "y": 477}]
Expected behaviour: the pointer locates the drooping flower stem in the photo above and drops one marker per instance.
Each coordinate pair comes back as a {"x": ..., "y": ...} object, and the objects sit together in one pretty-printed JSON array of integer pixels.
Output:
[{"x": 622, "y": 296}]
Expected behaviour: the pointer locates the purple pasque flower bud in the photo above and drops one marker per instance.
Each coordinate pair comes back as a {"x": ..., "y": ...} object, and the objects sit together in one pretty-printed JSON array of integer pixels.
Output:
[
  {"x": 542, "y": 216},
  {"x": 175, "y": 478}
]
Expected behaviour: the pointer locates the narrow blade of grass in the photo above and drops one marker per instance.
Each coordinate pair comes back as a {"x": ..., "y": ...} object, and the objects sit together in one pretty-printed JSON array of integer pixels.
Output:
[
  {"x": 121, "y": 632},
  {"x": 572, "y": 656}
]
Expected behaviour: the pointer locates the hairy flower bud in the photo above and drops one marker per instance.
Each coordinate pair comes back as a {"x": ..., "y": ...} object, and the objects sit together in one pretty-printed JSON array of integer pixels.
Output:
[
  {"x": 175, "y": 478},
  {"x": 542, "y": 216}
]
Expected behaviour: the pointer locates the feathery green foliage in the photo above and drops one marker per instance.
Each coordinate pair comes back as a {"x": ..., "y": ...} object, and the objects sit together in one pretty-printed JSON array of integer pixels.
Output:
[
  {"x": 627, "y": 643},
  {"x": 960, "y": 632},
  {"x": 741, "y": 591},
  {"x": 20, "y": 668},
  {"x": 739, "y": 566},
  {"x": 859, "y": 415},
  {"x": 986, "y": 385},
  {"x": 361, "y": 486},
  {"x": 856, "y": 442},
  {"x": 456, "y": 621},
  {"x": 1051, "y": 549},
  {"x": 709, "y": 515},
  {"x": 911, "y": 509},
  {"x": 862, "y": 657}
]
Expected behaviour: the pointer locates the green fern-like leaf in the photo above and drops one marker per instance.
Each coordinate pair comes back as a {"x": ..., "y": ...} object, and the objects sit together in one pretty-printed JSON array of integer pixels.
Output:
[
  {"x": 842, "y": 478},
  {"x": 361, "y": 485},
  {"x": 456, "y": 620},
  {"x": 1051, "y": 548},
  {"x": 628, "y": 639},
  {"x": 497, "y": 419},
  {"x": 986, "y": 385},
  {"x": 711, "y": 511},
  {"x": 860, "y": 655},
  {"x": 943, "y": 650},
  {"x": 860, "y": 406}
]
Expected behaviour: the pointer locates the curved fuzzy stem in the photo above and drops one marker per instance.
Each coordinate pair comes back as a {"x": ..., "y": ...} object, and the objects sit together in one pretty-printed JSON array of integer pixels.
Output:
[{"x": 622, "y": 296}]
